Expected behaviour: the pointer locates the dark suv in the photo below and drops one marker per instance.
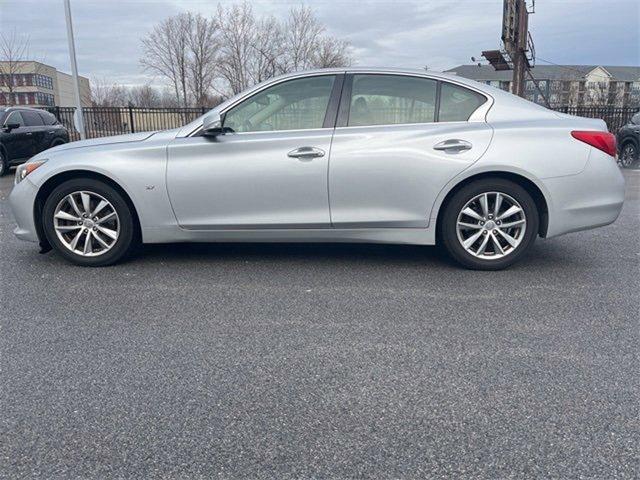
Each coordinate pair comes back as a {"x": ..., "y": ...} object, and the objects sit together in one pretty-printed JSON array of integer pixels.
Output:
[
  {"x": 25, "y": 132},
  {"x": 629, "y": 142}
]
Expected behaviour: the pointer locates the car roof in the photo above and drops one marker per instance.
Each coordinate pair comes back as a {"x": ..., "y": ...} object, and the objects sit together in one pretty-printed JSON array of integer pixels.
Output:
[
  {"x": 18, "y": 107},
  {"x": 389, "y": 70}
]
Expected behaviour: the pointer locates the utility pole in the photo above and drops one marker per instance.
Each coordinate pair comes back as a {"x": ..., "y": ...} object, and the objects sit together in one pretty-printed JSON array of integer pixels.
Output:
[
  {"x": 78, "y": 117},
  {"x": 517, "y": 47},
  {"x": 517, "y": 52}
]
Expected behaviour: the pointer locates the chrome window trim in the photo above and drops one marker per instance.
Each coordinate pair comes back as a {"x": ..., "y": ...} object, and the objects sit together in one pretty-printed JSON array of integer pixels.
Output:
[
  {"x": 389, "y": 125},
  {"x": 256, "y": 89},
  {"x": 479, "y": 115},
  {"x": 270, "y": 131}
]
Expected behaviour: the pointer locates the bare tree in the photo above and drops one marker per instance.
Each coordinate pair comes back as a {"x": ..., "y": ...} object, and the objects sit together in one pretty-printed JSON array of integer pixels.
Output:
[
  {"x": 203, "y": 44},
  {"x": 14, "y": 50},
  {"x": 199, "y": 55},
  {"x": 168, "y": 98},
  {"x": 237, "y": 35},
  {"x": 144, "y": 96},
  {"x": 107, "y": 94},
  {"x": 166, "y": 53},
  {"x": 268, "y": 57},
  {"x": 303, "y": 33},
  {"x": 332, "y": 52}
]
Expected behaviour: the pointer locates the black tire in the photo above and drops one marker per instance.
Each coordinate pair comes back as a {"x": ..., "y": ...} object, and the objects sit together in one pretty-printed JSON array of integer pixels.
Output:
[
  {"x": 448, "y": 227},
  {"x": 127, "y": 239},
  {"x": 4, "y": 164},
  {"x": 629, "y": 155}
]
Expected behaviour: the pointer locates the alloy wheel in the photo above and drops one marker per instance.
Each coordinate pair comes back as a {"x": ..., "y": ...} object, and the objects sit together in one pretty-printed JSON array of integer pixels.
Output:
[
  {"x": 491, "y": 225},
  {"x": 86, "y": 223},
  {"x": 628, "y": 155}
]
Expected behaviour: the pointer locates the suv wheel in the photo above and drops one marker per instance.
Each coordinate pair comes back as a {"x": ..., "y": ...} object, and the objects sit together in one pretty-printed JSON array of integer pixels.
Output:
[
  {"x": 89, "y": 223},
  {"x": 628, "y": 155},
  {"x": 489, "y": 224}
]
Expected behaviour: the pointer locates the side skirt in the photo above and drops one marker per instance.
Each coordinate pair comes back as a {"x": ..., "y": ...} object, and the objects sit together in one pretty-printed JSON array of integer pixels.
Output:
[{"x": 407, "y": 236}]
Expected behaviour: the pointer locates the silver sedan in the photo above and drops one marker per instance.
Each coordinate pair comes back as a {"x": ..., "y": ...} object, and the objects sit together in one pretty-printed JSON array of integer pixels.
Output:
[{"x": 339, "y": 155}]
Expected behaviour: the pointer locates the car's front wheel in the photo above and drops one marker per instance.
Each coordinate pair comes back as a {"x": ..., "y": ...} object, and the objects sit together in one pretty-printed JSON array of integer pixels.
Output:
[
  {"x": 489, "y": 224},
  {"x": 89, "y": 222}
]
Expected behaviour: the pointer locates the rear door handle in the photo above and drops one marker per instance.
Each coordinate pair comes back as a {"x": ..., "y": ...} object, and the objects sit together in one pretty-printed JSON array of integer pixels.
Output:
[
  {"x": 306, "y": 153},
  {"x": 453, "y": 146}
]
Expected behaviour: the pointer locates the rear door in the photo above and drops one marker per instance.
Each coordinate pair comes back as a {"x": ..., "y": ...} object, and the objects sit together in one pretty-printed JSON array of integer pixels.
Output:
[
  {"x": 398, "y": 141},
  {"x": 36, "y": 132}
]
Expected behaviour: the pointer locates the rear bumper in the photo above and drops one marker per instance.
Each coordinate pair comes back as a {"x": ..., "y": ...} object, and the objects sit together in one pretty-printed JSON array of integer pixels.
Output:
[
  {"x": 21, "y": 201},
  {"x": 590, "y": 199}
]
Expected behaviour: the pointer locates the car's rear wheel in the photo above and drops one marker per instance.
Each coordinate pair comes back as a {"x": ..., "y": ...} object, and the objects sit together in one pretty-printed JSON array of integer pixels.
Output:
[
  {"x": 89, "y": 222},
  {"x": 4, "y": 164},
  {"x": 628, "y": 155},
  {"x": 489, "y": 224}
]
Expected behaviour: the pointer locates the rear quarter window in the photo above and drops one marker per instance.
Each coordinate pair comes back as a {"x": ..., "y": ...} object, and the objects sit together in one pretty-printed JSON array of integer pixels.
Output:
[
  {"x": 48, "y": 118},
  {"x": 458, "y": 103}
]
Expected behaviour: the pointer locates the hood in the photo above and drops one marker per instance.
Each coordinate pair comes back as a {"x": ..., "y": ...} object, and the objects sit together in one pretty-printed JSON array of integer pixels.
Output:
[{"x": 94, "y": 142}]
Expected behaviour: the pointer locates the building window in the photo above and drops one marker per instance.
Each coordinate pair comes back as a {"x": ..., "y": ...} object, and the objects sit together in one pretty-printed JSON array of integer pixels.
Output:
[
  {"x": 45, "y": 99},
  {"x": 27, "y": 80},
  {"x": 44, "y": 81}
]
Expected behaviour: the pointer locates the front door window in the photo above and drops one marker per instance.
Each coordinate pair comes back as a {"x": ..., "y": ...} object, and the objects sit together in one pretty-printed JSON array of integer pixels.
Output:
[{"x": 294, "y": 105}]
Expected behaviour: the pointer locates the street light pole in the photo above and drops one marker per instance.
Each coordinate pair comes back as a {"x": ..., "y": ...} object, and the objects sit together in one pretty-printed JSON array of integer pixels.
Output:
[{"x": 79, "y": 118}]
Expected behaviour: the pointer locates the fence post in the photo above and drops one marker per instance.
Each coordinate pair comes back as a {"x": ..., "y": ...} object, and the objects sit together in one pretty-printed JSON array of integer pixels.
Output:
[
  {"x": 131, "y": 125},
  {"x": 203, "y": 110}
]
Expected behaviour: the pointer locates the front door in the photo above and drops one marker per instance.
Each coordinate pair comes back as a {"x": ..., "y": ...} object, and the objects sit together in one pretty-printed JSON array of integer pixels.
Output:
[
  {"x": 398, "y": 141},
  {"x": 269, "y": 171},
  {"x": 17, "y": 141}
]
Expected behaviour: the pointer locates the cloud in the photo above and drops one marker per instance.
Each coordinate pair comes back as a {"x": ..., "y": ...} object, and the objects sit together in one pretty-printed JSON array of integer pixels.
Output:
[{"x": 403, "y": 33}]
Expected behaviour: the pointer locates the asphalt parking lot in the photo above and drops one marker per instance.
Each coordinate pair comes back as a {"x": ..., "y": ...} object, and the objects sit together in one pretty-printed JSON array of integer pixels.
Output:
[{"x": 323, "y": 361}]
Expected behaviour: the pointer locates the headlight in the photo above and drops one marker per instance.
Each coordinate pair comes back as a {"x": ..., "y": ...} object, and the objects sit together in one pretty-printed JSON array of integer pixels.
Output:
[{"x": 26, "y": 168}]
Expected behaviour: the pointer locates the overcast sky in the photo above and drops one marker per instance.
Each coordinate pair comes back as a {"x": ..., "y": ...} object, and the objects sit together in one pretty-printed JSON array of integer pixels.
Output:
[{"x": 403, "y": 33}]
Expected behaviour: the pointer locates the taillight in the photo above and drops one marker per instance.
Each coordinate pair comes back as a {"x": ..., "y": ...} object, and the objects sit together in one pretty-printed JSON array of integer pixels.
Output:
[{"x": 604, "y": 141}]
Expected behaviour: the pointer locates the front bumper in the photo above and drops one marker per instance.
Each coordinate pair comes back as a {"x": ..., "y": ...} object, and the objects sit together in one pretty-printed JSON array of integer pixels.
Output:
[
  {"x": 21, "y": 201},
  {"x": 590, "y": 199}
]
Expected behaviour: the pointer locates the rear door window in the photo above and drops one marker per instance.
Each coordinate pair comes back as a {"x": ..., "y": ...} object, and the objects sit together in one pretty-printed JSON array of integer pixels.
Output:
[
  {"x": 392, "y": 100},
  {"x": 32, "y": 119},
  {"x": 458, "y": 103}
]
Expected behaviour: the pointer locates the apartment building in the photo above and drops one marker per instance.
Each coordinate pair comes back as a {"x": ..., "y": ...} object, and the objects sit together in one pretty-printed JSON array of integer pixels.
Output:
[
  {"x": 35, "y": 84},
  {"x": 567, "y": 85}
]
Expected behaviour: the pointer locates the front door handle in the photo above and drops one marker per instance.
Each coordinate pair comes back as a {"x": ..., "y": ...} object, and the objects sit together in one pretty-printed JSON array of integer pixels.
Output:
[
  {"x": 305, "y": 153},
  {"x": 453, "y": 146}
]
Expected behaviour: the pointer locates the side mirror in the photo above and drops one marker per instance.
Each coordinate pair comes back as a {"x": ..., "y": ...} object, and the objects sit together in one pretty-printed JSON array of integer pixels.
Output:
[
  {"x": 10, "y": 126},
  {"x": 212, "y": 125}
]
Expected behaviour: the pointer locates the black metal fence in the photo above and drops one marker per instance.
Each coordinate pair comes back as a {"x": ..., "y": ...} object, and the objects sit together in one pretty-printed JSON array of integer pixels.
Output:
[
  {"x": 615, "y": 117},
  {"x": 106, "y": 121}
]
